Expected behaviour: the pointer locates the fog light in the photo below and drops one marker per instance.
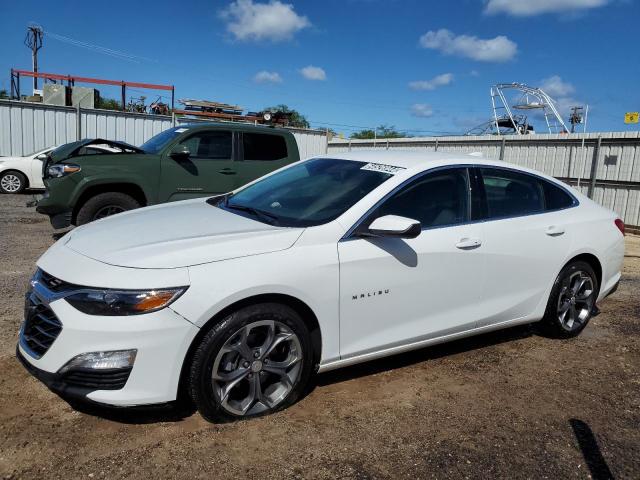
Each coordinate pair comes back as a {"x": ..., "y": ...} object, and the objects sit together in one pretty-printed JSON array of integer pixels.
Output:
[{"x": 101, "y": 360}]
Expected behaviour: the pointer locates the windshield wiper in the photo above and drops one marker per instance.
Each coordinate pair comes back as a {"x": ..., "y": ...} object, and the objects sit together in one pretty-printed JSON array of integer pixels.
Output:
[{"x": 268, "y": 217}]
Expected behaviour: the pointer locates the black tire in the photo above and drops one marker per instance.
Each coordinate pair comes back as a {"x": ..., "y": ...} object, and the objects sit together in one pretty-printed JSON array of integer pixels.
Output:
[
  {"x": 12, "y": 181},
  {"x": 98, "y": 206},
  {"x": 206, "y": 393},
  {"x": 563, "y": 295}
]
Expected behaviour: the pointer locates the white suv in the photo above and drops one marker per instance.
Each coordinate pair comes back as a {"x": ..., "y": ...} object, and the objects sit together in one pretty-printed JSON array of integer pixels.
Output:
[{"x": 238, "y": 299}]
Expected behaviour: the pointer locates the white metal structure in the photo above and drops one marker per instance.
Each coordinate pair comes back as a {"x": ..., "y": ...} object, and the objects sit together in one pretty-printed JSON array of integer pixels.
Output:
[
  {"x": 239, "y": 297},
  {"x": 18, "y": 173},
  {"x": 531, "y": 98}
]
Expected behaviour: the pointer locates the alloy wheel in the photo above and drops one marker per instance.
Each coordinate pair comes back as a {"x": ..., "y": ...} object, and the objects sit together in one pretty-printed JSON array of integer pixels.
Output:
[
  {"x": 107, "y": 211},
  {"x": 257, "y": 367},
  {"x": 10, "y": 183},
  {"x": 576, "y": 300}
]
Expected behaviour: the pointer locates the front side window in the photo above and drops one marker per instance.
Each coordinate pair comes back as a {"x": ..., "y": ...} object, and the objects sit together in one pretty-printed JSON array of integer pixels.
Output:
[
  {"x": 436, "y": 199},
  {"x": 511, "y": 194},
  {"x": 262, "y": 146},
  {"x": 210, "y": 145},
  {"x": 309, "y": 193}
]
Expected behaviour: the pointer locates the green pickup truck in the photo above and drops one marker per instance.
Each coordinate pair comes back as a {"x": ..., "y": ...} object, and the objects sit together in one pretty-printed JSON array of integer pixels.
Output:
[{"x": 183, "y": 162}]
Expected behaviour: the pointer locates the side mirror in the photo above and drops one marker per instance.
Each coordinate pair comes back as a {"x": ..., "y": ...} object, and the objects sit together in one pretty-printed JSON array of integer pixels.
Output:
[
  {"x": 180, "y": 152},
  {"x": 42, "y": 156},
  {"x": 394, "y": 226}
]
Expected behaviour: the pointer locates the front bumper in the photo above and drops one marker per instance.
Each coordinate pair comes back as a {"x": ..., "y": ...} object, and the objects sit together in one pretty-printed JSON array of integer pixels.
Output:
[
  {"x": 59, "y": 218},
  {"x": 161, "y": 339}
]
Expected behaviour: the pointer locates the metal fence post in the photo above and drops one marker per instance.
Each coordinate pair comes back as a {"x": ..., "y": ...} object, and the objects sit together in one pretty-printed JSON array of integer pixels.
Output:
[
  {"x": 436, "y": 145},
  {"x": 594, "y": 168},
  {"x": 503, "y": 144},
  {"x": 78, "y": 123}
]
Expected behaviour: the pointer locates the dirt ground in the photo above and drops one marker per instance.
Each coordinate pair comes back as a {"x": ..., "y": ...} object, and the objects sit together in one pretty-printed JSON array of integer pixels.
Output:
[{"x": 510, "y": 404}]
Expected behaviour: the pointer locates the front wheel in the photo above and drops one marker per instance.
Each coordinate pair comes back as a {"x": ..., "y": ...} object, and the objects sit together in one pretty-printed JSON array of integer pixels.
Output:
[
  {"x": 254, "y": 362},
  {"x": 572, "y": 300},
  {"x": 104, "y": 205},
  {"x": 12, "y": 182}
]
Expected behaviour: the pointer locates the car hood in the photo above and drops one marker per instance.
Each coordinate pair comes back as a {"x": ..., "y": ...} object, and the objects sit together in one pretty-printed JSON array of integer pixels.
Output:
[{"x": 176, "y": 235}]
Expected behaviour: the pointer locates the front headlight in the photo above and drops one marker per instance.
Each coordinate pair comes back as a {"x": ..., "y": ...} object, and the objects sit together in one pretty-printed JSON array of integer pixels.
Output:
[
  {"x": 62, "y": 169},
  {"x": 123, "y": 302}
]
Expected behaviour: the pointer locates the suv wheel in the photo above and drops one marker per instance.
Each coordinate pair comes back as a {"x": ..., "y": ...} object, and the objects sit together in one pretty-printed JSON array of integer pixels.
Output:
[
  {"x": 104, "y": 205},
  {"x": 254, "y": 362},
  {"x": 572, "y": 300},
  {"x": 12, "y": 182}
]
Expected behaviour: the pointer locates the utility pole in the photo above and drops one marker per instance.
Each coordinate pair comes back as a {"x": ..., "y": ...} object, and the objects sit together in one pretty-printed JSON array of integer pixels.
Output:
[
  {"x": 33, "y": 40},
  {"x": 576, "y": 117}
]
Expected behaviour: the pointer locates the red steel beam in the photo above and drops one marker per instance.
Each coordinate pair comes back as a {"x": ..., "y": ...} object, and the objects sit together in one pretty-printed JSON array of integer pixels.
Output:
[{"x": 100, "y": 81}]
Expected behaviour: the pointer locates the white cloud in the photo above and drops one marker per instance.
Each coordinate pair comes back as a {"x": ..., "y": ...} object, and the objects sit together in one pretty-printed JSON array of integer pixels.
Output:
[
  {"x": 421, "y": 110},
  {"x": 272, "y": 22},
  {"x": 474, "y": 73},
  {"x": 556, "y": 87},
  {"x": 527, "y": 8},
  {"x": 435, "y": 82},
  {"x": 267, "y": 77},
  {"x": 313, "y": 73},
  {"x": 498, "y": 49}
]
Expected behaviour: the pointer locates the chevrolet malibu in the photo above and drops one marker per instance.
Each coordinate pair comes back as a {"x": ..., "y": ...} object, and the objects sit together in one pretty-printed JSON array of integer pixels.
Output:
[{"x": 238, "y": 299}]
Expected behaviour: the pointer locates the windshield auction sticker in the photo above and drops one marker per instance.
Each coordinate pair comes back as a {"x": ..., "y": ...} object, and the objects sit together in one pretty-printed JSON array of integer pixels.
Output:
[{"x": 379, "y": 167}]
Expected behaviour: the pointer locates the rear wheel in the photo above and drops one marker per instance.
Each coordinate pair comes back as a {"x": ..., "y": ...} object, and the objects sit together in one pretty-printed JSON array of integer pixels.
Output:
[
  {"x": 104, "y": 205},
  {"x": 254, "y": 362},
  {"x": 12, "y": 182},
  {"x": 572, "y": 300}
]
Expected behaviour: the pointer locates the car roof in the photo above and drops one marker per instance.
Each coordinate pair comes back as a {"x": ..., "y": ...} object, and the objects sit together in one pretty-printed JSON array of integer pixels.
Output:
[
  {"x": 412, "y": 160},
  {"x": 245, "y": 127}
]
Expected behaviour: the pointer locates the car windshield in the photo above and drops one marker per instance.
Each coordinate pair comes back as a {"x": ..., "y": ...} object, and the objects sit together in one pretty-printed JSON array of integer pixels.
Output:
[
  {"x": 158, "y": 142},
  {"x": 310, "y": 193}
]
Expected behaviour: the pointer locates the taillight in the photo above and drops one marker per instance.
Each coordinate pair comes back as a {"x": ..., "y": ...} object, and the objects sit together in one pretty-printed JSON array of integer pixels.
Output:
[{"x": 620, "y": 224}]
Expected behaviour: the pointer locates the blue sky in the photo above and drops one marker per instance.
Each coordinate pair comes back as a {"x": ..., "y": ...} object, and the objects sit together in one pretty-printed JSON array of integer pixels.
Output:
[{"x": 423, "y": 66}]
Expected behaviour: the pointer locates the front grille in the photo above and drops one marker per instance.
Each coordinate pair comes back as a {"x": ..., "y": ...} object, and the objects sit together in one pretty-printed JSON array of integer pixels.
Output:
[
  {"x": 112, "y": 379},
  {"x": 41, "y": 326}
]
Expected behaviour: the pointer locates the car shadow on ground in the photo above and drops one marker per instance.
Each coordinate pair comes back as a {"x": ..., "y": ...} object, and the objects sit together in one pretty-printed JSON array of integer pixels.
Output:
[{"x": 424, "y": 354}]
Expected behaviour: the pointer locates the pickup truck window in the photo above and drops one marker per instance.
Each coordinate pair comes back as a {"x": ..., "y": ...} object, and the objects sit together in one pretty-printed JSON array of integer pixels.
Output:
[
  {"x": 261, "y": 146},
  {"x": 211, "y": 145}
]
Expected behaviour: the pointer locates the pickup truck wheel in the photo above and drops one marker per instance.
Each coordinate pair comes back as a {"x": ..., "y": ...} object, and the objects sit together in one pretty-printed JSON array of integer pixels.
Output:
[
  {"x": 104, "y": 205},
  {"x": 12, "y": 182},
  {"x": 256, "y": 361}
]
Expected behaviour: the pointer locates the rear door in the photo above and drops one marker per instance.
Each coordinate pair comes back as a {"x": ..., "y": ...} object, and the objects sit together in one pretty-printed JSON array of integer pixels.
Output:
[
  {"x": 259, "y": 154},
  {"x": 526, "y": 239},
  {"x": 208, "y": 170}
]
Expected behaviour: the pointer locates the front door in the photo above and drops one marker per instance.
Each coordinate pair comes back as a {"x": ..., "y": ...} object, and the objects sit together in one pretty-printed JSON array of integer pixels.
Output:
[
  {"x": 208, "y": 170},
  {"x": 397, "y": 291}
]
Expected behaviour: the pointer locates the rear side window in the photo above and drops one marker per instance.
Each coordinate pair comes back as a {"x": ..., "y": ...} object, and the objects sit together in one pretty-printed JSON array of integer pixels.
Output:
[
  {"x": 262, "y": 146},
  {"x": 555, "y": 197},
  {"x": 210, "y": 145},
  {"x": 510, "y": 194}
]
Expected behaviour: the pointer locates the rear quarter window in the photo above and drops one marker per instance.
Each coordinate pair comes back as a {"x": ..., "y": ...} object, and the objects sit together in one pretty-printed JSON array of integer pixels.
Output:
[
  {"x": 555, "y": 197},
  {"x": 264, "y": 146}
]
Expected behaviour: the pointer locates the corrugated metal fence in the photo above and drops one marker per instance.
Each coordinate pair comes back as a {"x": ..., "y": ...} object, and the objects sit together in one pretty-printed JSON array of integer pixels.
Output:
[
  {"x": 28, "y": 127},
  {"x": 604, "y": 166}
]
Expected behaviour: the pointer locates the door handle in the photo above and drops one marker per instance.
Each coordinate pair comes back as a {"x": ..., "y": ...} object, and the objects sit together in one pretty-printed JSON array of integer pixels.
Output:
[
  {"x": 554, "y": 230},
  {"x": 468, "y": 243},
  {"x": 227, "y": 171}
]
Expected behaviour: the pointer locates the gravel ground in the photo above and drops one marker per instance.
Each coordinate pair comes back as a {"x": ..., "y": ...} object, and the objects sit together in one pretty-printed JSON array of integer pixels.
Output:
[{"x": 510, "y": 404}]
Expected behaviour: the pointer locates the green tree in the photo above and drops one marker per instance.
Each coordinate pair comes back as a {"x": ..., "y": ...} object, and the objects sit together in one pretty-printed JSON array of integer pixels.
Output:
[
  {"x": 108, "y": 104},
  {"x": 4, "y": 94},
  {"x": 296, "y": 119},
  {"x": 383, "y": 131}
]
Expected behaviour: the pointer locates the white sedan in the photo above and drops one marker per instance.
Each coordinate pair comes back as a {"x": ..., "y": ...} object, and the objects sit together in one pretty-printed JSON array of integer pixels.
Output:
[
  {"x": 19, "y": 173},
  {"x": 238, "y": 299}
]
